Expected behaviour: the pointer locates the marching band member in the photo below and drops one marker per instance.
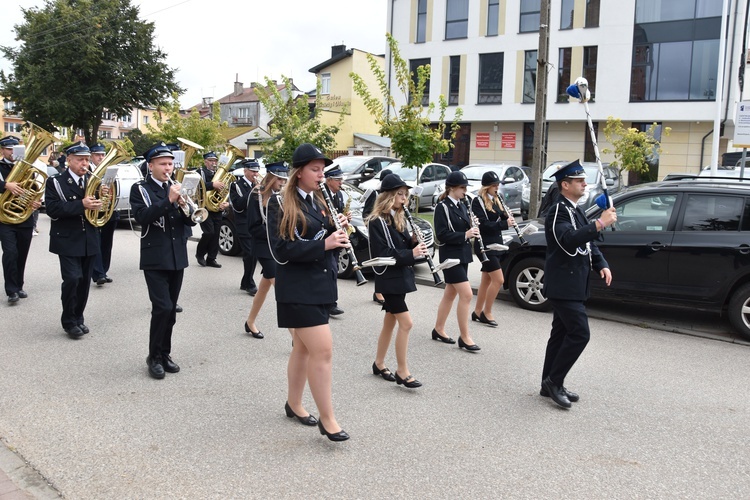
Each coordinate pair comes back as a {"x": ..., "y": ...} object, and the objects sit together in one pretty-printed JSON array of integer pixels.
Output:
[
  {"x": 107, "y": 231},
  {"x": 334, "y": 179},
  {"x": 276, "y": 175},
  {"x": 453, "y": 228},
  {"x": 389, "y": 237},
  {"x": 15, "y": 239},
  {"x": 368, "y": 202},
  {"x": 492, "y": 221},
  {"x": 239, "y": 199},
  {"x": 208, "y": 245},
  {"x": 160, "y": 210},
  {"x": 72, "y": 237},
  {"x": 303, "y": 240}
]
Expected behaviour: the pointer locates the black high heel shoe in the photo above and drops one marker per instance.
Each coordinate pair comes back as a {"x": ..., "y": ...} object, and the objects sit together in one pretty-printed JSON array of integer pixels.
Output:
[
  {"x": 385, "y": 373},
  {"x": 337, "y": 436},
  {"x": 468, "y": 347},
  {"x": 409, "y": 381},
  {"x": 437, "y": 336},
  {"x": 474, "y": 316},
  {"x": 308, "y": 420},
  {"x": 257, "y": 335},
  {"x": 483, "y": 319},
  {"x": 376, "y": 299}
]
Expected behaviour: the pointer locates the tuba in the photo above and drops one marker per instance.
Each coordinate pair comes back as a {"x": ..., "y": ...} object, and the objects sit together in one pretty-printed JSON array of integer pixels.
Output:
[
  {"x": 97, "y": 218},
  {"x": 16, "y": 209},
  {"x": 215, "y": 197},
  {"x": 190, "y": 148}
]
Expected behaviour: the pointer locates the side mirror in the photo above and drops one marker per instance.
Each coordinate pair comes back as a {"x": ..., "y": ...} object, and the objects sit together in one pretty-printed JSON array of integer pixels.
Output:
[
  {"x": 610, "y": 182},
  {"x": 508, "y": 180},
  {"x": 369, "y": 171}
]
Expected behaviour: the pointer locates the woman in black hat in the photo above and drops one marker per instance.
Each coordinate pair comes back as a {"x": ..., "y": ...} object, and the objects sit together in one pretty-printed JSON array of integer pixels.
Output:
[
  {"x": 389, "y": 237},
  {"x": 303, "y": 241},
  {"x": 454, "y": 230},
  {"x": 492, "y": 221},
  {"x": 276, "y": 175}
]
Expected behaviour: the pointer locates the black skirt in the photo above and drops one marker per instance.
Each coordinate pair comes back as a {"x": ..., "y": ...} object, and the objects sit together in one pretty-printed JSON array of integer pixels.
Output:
[
  {"x": 492, "y": 264},
  {"x": 301, "y": 315},
  {"x": 395, "y": 303},
  {"x": 268, "y": 266},
  {"x": 456, "y": 274}
]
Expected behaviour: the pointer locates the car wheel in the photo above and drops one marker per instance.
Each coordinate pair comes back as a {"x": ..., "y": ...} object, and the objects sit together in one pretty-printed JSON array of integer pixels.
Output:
[
  {"x": 413, "y": 204},
  {"x": 739, "y": 311},
  {"x": 526, "y": 281},
  {"x": 228, "y": 244},
  {"x": 345, "y": 265}
]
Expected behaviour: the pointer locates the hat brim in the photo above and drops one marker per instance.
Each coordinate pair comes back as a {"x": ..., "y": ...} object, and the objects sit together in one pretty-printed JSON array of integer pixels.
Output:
[
  {"x": 165, "y": 154},
  {"x": 280, "y": 175}
]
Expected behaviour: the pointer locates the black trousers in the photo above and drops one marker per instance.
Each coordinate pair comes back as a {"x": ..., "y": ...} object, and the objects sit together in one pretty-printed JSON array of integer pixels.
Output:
[
  {"x": 103, "y": 260},
  {"x": 15, "y": 242},
  {"x": 163, "y": 291},
  {"x": 248, "y": 261},
  {"x": 568, "y": 338},
  {"x": 208, "y": 245},
  {"x": 76, "y": 275}
]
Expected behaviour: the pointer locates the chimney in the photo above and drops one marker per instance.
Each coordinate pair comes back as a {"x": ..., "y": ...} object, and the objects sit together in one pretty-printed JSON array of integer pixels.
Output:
[
  {"x": 337, "y": 49},
  {"x": 253, "y": 85},
  {"x": 238, "y": 88}
]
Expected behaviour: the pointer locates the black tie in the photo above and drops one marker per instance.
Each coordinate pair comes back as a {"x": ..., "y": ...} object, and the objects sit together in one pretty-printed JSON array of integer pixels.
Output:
[
  {"x": 166, "y": 189},
  {"x": 309, "y": 201},
  {"x": 80, "y": 183}
]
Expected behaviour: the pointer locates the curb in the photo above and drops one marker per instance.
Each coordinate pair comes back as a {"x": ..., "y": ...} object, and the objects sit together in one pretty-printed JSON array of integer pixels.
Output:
[{"x": 28, "y": 481}]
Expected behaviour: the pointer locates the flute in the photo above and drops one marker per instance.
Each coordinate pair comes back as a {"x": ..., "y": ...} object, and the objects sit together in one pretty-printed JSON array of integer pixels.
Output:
[
  {"x": 349, "y": 250},
  {"x": 475, "y": 224},
  {"x": 420, "y": 238}
]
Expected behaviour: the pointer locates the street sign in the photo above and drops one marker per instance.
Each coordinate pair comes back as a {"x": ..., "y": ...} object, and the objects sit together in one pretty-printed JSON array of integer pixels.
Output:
[
  {"x": 742, "y": 126},
  {"x": 483, "y": 140}
]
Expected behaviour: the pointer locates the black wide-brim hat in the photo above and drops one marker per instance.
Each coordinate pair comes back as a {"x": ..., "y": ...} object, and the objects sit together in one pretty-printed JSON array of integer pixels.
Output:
[
  {"x": 305, "y": 153},
  {"x": 391, "y": 182}
]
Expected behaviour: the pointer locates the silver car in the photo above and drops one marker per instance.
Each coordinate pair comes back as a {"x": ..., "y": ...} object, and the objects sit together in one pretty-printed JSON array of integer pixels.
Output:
[
  {"x": 512, "y": 182},
  {"x": 431, "y": 177}
]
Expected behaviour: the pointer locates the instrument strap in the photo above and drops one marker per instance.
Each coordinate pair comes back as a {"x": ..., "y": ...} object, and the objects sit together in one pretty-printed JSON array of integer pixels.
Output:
[
  {"x": 239, "y": 192},
  {"x": 280, "y": 201},
  {"x": 571, "y": 214},
  {"x": 388, "y": 240}
]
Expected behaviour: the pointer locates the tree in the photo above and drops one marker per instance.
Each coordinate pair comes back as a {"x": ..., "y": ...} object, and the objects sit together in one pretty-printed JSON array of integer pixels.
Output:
[
  {"x": 634, "y": 150},
  {"x": 292, "y": 122},
  {"x": 414, "y": 138},
  {"x": 80, "y": 58}
]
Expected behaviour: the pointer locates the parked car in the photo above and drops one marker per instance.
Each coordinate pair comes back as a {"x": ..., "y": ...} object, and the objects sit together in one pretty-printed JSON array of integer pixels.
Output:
[
  {"x": 512, "y": 182},
  {"x": 724, "y": 171},
  {"x": 612, "y": 178},
  {"x": 683, "y": 243},
  {"x": 362, "y": 168},
  {"x": 431, "y": 177}
]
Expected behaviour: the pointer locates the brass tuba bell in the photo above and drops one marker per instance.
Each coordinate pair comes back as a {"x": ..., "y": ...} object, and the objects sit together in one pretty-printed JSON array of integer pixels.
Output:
[
  {"x": 98, "y": 218},
  {"x": 215, "y": 197}
]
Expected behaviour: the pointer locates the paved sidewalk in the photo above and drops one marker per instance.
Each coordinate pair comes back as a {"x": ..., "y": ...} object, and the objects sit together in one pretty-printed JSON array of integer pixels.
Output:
[{"x": 18, "y": 481}]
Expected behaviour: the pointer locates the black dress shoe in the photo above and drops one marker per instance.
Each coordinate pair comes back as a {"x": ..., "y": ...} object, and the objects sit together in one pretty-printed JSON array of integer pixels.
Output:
[
  {"x": 336, "y": 436},
  {"x": 169, "y": 365},
  {"x": 22, "y": 294},
  {"x": 335, "y": 311},
  {"x": 84, "y": 328},
  {"x": 376, "y": 299},
  {"x": 442, "y": 338},
  {"x": 178, "y": 308},
  {"x": 483, "y": 319},
  {"x": 108, "y": 279},
  {"x": 155, "y": 368},
  {"x": 409, "y": 381},
  {"x": 201, "y": 261},
  {"x": 252, "y": 290},
  {"x": 474, "y": 316},
  {"x": 308, "y": 420},
  {"x": 572, "y": 396},
  {"x": 213, "y": 263},
  {"x": 13, "y": 298},
  {"x": 74, "y": 332},
  {"x": 385, "y": 373},
  {"x": 100, "y": 281},
  {"x": 468, "y": 347},
  {"x": 257, "y": 335},
  {"x": 556, "y": 393}
]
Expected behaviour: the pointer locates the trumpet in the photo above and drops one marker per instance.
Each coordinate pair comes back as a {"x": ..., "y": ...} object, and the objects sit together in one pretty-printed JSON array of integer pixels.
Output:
[
  {"x": 335, "y": 216},
  {"x": 190, "y": 209},
  {"x": 475, "y": 224},
  {"x": 420, "y": 238}
]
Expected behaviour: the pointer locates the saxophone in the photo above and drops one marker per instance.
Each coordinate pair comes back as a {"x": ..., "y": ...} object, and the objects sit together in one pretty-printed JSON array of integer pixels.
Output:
[
  {"x": 99, "y": 217},
  {"x": 348, "y": 210}
]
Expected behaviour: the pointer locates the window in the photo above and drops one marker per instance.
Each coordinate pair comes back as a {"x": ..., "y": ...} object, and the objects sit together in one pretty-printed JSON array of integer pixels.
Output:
[
  {"x": 588, "y": 149},
  {"x": 145, "y": 120},
  {"x": 421, "y": 21},
  {"x": 325, "y": 83},
  {"x": 456, "y": 19},
  {"x": 592, "y": 14},
  {"x": 414, "y": 65},
  {"x": 530, "y": 15},
  {"x": 563, "y": 74},
  {"x": 529, "y": 76},
  {"x": 12, "y": 127},
  {"x": 712, "y": 213},
  {"x": 566, "y": 15},
  {"x": 105, "y": 134},
  {"x": 490, "y": 78},
  {"x": 126, "y": 118},
  {"x": 454, "y": 80},
  {"x": 645, "y": 213},
  {"x": 441, "y": 173},
  {"x": 493, "y": 17},
  {"x": 9, "y": 105},
  {"x": 590, "y": 56}
]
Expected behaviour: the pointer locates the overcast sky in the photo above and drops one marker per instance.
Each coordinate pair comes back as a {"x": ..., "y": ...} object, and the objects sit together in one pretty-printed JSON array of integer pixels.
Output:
[{"x": 211, "y": 41}]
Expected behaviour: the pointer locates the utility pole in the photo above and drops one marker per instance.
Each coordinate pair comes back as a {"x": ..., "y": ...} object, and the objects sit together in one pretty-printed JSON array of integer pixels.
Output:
[{"x": 540, "y": 116}]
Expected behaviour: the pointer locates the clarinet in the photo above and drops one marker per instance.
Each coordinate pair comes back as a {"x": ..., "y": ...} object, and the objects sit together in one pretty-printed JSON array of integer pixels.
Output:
[
  {"x": 335, "y": 216},
  {"x": 510, "y": 214},
  {"x": 420, "y": 238},
  {"x": 474, "y": 223}
]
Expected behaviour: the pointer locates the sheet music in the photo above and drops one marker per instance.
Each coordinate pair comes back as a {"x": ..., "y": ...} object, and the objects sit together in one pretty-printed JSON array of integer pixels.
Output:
[
  {"x": 379, "y": 261},
  {"x": 190, "y": 183},
  {"x": 447, "y": 263},
  {"x": 110, "y": 176},
  {"x": 497, "y": 247}
]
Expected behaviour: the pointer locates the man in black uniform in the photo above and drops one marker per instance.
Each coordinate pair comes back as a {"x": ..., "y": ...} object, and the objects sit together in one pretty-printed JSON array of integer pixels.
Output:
[
  {"x": 239, "y": 197},
  {"x": 102, "y": 261},
  {"x": 571, "y": 254},
  {"x": 72, "y": 237},
  {"x": 14, "y": 238},
  {"x": 208, "y": 245},
  {"x": 160, "y": 210},
  {"x": 334, "y": 179}
]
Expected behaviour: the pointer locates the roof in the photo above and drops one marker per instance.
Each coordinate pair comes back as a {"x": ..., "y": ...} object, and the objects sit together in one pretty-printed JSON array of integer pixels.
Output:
[
  {"x": 248, "y": 95},
  {"x": 383, "y": 142},
  {"x": 334, "y": 59},
  {"x": 232, "y": 132}
]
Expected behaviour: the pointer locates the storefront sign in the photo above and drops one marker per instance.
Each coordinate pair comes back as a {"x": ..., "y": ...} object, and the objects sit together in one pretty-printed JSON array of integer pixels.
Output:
[
  {"x": 742, "y": 126},
  {"x": 483, "y": 140},
  {"x": 508, "y": 140}
]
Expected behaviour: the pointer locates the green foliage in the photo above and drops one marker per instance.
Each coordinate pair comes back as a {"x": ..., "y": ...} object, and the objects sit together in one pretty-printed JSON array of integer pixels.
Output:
[
  {"x": 634, "y": 151},
  {"x": 414, "y": 138},
  {"x": 141, "y": 142},
  {"x": 292, "y": 123},
  {"x": 78, "y": 58}
]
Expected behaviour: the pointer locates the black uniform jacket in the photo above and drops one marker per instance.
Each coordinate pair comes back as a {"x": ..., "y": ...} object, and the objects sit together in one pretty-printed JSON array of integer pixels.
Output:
[
  {"x": 5, "y": 168},
  {"x": 239, "y": 196},
  {"x": 491, "y": 224},
  {"x": 566, "y": 277},
  {"x": 163, "y": 233},
  {"x": 70, "y": 233},
  {"x": 207, "y": 176},
  {"x": 451, "y": 224},
  {"x": 257, "y": 227},
  {"x": 398, "y": 278},
  {"x": 337, "y": 199},
  {"x": 306, "y": 273}
]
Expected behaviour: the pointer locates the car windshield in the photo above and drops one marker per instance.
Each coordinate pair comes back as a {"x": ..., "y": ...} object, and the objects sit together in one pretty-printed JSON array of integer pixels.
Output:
[
  {"x": 406, "y": 174},
  {"x": 349, "y": 165},
  {"x": 592, "y": 173},
  {"x": 476, "y": 173}
]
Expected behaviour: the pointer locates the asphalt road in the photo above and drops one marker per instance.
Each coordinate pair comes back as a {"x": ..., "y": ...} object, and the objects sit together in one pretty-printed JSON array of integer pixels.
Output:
[{"x": 661, "y": 415}]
